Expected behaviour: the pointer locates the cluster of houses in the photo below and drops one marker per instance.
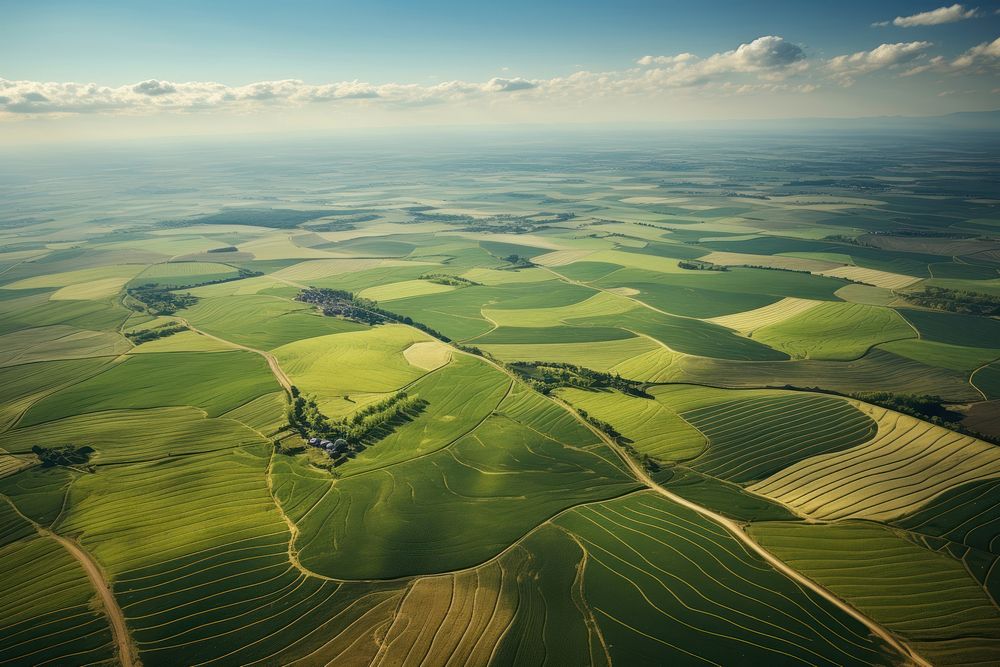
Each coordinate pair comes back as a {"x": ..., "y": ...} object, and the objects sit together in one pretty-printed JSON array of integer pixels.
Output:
[{"x": 335, "y": 448}]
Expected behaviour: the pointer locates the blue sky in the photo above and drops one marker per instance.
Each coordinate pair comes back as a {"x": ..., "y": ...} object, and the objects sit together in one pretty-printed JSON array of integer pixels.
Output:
[
  {"x": 242, "y": 42},
  {"x": 928, "y": 64}
]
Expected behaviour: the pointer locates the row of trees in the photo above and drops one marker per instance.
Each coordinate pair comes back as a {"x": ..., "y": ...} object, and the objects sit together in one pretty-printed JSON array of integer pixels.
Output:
[
  {"x": 544, "y": 376},
  {"x": 157, "y": 300},
  {"x": 448, "y": 279},
  {"x": 146, "y": 335},
  {"x": 956, "y": 301},
  {"x": 369, "y": 424},
  {"x": 650, "y": 464},
  {"x": 923, "y": 406},
  {"x": 697, "y": 265},
  {"x": 335, "y": 302}
]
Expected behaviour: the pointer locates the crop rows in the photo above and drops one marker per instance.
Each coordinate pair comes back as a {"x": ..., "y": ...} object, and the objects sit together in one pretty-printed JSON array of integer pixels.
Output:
[
  {"x": 907, "y": 464},
  {"x": 749, "y": 321},
  {"x": 926, "y": 597},
  {"x": 876, "y": 371},
  {"x": 48, "y": 614},
  {"x": 667, "y": 586},
  {"x": 754, "y": 437}
]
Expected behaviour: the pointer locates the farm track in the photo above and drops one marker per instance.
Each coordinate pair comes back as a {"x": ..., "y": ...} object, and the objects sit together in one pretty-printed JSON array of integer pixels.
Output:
[
  {"x": 272, "y": 361},
  {"x": 116, "y": 619},
  {"x": 737, "y": 531},
  {"x": 730, "y": 526}
]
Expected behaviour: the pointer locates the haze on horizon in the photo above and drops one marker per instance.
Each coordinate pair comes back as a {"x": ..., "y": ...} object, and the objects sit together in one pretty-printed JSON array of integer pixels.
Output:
[{"x": 116, "y": 69}]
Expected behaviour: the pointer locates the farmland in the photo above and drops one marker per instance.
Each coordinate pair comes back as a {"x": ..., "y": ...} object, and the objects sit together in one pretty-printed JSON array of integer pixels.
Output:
[{"x": 592, "y": 408}]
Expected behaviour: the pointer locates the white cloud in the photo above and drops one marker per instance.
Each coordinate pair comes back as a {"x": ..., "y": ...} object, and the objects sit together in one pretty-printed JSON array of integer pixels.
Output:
[
  {"x": 981, "y": 59},
  {"x": 845, "y": 68},
  {"x": 987, "y": 53},
  {"x": 768, "y": 65},
  {"x": 154, "y": 87},
  {"x": 769, "y": 57},
  {"x": 937, "y": 16},
  {"x": 500, "y": 85}
]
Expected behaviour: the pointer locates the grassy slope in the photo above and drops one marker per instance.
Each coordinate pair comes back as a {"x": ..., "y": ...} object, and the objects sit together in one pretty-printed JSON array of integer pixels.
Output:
[{"x": 926, "y": 597}]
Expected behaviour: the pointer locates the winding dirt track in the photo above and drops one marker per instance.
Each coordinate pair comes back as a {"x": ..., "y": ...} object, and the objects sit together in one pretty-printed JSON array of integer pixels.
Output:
[
  {"x": 777, "y": 564},
  {"x": 272, "y": 361},
  {"x": 111, "y": 609},
  {"x": 116, "y": 619},
  {"x": 121, "y": 633},
  {"x": 737, "y": 532}
]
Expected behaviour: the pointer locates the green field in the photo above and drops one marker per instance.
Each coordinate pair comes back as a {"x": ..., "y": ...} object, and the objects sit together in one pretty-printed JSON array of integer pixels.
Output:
[
  {"x": 261, "y": 321},
  {"x": 214, "y": 382},
  {"x": 751, "y": 438},
  {"x": 835, "y": 331},
  {"x": 229, "y": 474},
  {"x": 657, "y": 594},
  {"x": 927, "y": 598},
  {"x": 651, "y": 427}
]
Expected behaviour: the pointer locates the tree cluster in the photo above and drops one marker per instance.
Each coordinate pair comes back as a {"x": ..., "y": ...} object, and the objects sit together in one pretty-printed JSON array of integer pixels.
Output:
[
  {"x": 956, "y": 301},
  {"x": 544, "y": 376},
  {"x": 371, "y": 423},
  {"x": 342, "y": 303},
  {"x": 146, "y": 335},
  {"x": 157, "y": 300},
  {"x": 697, "y": 265},
  {"x": 448, "y": 279},
  {"x": 65, "y": 455},
  {"x": 518, "y": 262}
]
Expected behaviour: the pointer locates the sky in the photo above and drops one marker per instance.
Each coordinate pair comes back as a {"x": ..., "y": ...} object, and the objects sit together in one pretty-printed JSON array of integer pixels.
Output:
[{"x": 71, "y": 69}]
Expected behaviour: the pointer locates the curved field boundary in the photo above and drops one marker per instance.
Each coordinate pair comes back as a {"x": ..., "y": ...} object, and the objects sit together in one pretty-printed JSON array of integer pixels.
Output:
[
  {"x": 736, "y": 530},
  {"x": 62, "y": 595},
  {"x": 876, "y": 371},
  {"x": 750, "y": 438},
  {"x": 749, "y": 321},
  {"x": 907, "y": 464},
  {"x": 871, "y": 276},
  {"x": 669, "y": 585},
  {"x": 523, "y": 605},
  {"x": 835, "y": 331},
  {"x": 654, "y": 428},
  {"x": 770, "y": 261},
  {"x": 924, "y": 596}
]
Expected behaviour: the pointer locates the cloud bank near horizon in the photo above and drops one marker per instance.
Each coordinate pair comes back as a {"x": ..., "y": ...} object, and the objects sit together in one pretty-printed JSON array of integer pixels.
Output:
[{"x": 768, "y": 64}]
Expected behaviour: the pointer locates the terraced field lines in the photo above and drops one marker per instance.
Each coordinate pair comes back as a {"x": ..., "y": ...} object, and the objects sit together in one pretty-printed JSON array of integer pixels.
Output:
[
  {"x": 561, "y": 257},
  {"x": 772, "y": 261},
  {"x": 835, "y": 331},
  {"x": 736, "y": 530},
  {"x": 652, "y": 427},
  {"x": 908, "y": 463},
  {"x": 95, "y": 575},
  {"x": 926, "y": 597},
  {"x": 110, "y": 604},
  {"x": 871, "y": 276},
  {"x": 666, "y": 582},
  {"x": 748, "y": 322},
  {"x": 876, "y": 371},
  {"x": 750, "y": 438}
]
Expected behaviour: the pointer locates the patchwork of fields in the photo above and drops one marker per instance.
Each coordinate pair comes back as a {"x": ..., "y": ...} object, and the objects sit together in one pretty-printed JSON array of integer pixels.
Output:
[{"x": 622, "y": 411}]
